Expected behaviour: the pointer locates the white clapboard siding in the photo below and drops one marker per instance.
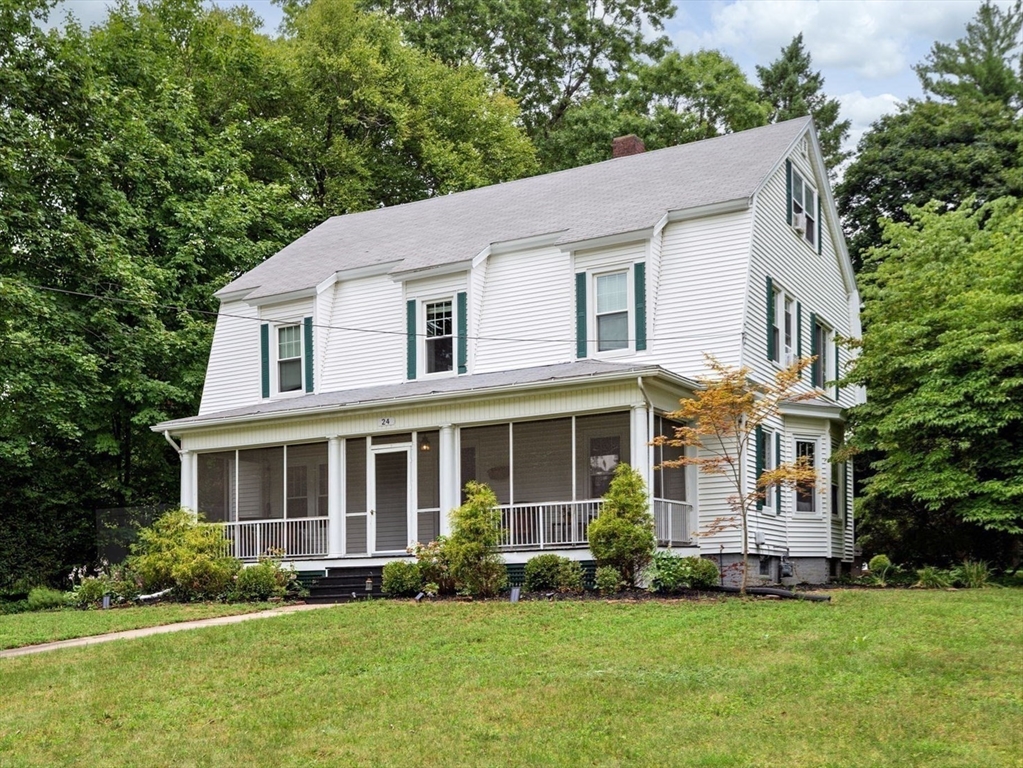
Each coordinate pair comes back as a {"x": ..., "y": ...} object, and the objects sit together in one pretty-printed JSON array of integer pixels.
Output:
[
  {"x": 477, "y": 292},
  {"x": 700, "y": 292},
  {"x": 323, "y": 309},
  {"x": 528, "y": 312},
  {"x": 814, "y": 280},
  {"x": 286, "y": 312},
  {"x": 436, "y": 287},
  {"x": 597, "y": 259},
  {"x": 367, "y": 338},
  {"x": 232, "y": 375}
]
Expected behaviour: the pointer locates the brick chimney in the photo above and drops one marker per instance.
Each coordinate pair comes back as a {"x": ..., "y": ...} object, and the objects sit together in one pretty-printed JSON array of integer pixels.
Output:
[{"x": 627, "y": 145}]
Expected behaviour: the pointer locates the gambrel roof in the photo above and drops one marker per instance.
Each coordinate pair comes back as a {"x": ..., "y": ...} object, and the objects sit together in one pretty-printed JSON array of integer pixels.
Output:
[{"x": 627, "y": 194}]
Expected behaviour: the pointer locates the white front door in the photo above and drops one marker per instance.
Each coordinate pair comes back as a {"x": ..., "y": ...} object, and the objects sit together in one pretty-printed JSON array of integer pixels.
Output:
[{"x": 391, "y": 522}]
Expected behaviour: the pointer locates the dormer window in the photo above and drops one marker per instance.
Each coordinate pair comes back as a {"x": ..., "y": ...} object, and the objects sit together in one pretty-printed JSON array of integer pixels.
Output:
[
  {"x": 289, "y": 358},
  {"x": 612, "y": 311},
  {"x": 440, "y": 337}
]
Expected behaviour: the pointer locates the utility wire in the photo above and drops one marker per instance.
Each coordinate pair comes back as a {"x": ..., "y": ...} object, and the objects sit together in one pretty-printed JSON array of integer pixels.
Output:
[{"x": 351, "y": 329}]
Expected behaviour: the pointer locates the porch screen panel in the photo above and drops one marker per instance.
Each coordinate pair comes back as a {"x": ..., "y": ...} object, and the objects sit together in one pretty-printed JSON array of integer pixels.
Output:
[
  {"x": 216, "y": 486},
  {"x": 355, "y": 496},
  {"x": 669, "y": 482},
  {"x": 306, "y": 482},
  {"x": 601, "y": 444},
  {"x": 543, "y": 461},
  {"x": 428, "y": 485},
  {"x": 261, "y": 484},
  {"x": 485, "y": 459}
]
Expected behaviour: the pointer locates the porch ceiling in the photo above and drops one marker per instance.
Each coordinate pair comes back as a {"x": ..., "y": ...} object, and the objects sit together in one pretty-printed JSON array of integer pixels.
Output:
[{"x": 581, "y": 371}]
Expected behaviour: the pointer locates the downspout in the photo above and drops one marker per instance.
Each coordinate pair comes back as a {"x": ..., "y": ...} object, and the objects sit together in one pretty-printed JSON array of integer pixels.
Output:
[{"x": 175, "y": 446}]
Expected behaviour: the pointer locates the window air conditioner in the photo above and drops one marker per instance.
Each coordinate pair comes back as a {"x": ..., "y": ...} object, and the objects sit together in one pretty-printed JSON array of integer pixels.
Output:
[{"x": 799, "y": 222}]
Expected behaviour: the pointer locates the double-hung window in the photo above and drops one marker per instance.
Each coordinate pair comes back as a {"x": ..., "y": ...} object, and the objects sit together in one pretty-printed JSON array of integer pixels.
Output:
[
  {"x": 289, "y": 358},
  {"x": 784, "y": 327},
  {"x": 806, "y": 499},
  {"x": 440, "y": 336},
  {"x": 768, "y": 445},
  {"x": 804, "y": 208},
  {"x": 612, "y": 311}
]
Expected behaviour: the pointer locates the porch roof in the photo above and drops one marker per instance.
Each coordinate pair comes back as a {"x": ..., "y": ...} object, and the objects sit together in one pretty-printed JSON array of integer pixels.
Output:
[{"x": 579, "y": 371}]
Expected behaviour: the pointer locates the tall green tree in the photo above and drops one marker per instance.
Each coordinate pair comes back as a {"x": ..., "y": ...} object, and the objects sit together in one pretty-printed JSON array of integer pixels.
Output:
[
  {"x": 942, "y": 359},
  {"x": 985, "y": 65},
  {"x": 793, "y": 89},
  {"x": 548, "y": 56},
  {"x": 965, "y": 140},
  {"x": 674, "y": 100}
]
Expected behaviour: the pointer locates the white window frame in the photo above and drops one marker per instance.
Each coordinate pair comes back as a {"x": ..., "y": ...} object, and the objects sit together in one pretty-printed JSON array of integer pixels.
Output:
[
  {"x": 276, "y": 360},
  {"x": 824, "y": 356},
  {"x": 770, "y": 462},
  {"x": 785, "y": 353},
  {"x": 810, "y": 231},
  {"x": 421, "y": 344},
  {"x": 814, "y": 492},
  {"x": 630, "y": 292},
  {"x": 837, "y": 476}
]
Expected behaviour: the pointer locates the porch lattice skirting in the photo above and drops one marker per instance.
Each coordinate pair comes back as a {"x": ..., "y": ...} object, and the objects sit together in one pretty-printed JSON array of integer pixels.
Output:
[{"x": 550, "y": 525}]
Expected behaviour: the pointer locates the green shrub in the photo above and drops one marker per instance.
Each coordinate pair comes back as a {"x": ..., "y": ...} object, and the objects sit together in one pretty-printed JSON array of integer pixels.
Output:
[
  {"x": 89, "y": 591},
  {"x": 930, "y": 577},
  {"x": 881, "y": 569},
  {"x": 402, "y": 579},
  {"x": 263, "y": 581},
  {"x": 972, "y": 574},
  {"x": 623, "y": 535},
  {"x": 45, "y": 599},
  {"x": 476, "y": 566},
  {"x": 434, "y": 566},
  {"x": 553, "y": 572},
  {"x": 672, "y": 573},
  {"x": 181, "y": 552},
  {"x": 608, "y": 580}
]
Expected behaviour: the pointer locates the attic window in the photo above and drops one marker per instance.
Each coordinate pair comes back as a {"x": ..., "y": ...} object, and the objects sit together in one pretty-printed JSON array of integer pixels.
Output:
[
  {"x": 440, "y": 337},
  {"x": 804, "y": 208},
  {"x": 289, "y": 358}
]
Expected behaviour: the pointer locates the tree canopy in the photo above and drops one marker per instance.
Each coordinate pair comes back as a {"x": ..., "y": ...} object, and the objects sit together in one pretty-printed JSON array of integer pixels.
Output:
[
  {"x": 793, "y": 89},
  {"x": 942, "y": 358}
]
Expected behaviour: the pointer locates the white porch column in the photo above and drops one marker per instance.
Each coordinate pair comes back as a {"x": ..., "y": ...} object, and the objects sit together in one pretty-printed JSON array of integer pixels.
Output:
[
  {"x": 187, "y": 479},
  {"x": 335, "y": 511},
  {"x": 640, "y": 459},
  {"x": 448, "y": 477}
]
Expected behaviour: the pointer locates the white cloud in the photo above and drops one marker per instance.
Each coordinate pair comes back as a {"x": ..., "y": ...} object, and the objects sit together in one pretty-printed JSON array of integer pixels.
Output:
[{"x": 863, "y": 110}]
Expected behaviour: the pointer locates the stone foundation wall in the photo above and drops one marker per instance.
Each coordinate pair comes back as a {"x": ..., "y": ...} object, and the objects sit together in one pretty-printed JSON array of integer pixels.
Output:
[{"x": 805, "y": 570}]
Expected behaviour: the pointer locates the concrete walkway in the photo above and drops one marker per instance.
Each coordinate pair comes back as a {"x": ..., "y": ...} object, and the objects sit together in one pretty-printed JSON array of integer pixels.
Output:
[{"x": 163, "y": 629}]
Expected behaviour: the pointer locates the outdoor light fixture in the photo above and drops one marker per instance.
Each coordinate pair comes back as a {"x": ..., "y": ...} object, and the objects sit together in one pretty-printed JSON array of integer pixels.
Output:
[
  {"x": 369, "y": 584},
  {"x": 424, "y": 443}
]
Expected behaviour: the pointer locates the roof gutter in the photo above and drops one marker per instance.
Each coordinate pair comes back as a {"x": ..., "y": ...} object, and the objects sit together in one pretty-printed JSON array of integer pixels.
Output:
[
  {"x": 167, "y": 437},
  {"x": 427, "y": 398}
]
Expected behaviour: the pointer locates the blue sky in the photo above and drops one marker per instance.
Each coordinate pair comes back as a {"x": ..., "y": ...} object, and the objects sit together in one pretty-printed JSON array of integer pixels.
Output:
[{"x": 864, "y": 48}]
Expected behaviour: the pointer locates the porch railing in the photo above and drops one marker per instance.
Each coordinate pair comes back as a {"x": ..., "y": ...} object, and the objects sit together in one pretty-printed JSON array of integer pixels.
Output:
[
  {"x": 674, "y": 522},
  {"x": 550, "y": 525},
  {"x": 300, "y": 537}
]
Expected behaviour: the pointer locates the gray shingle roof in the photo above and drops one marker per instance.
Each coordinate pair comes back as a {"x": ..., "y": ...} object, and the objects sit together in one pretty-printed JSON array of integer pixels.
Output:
[
  {"x": 579, "y": 370},
  {"x": 622, "y": 195}
]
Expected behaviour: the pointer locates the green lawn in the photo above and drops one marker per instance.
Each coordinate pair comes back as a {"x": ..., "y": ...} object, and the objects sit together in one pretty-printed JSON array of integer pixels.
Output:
[
  {"x": 896, "y": 678},
  {"x": 46, "y": 626}
]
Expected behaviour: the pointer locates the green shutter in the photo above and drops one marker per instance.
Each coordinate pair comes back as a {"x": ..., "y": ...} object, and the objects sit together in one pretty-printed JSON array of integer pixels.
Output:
[
  {"x": 580, "y": 315},
  {"x": 308, "y": 328},
  {"x": 772, "y": 353},
  {"x": 264, "y": 358},
  {"x": 815, "y": 368},
  {"x": 799, "y": 330},
  {"x": 777, "y": 461},
  {"x": 410, "y": 331},
  {"x": 819, "y": 228},
  {"x": 788, "y": 191},
  {"x": 761, "y": 456},
  {"x": 640, "y": 276},
  {"x": 463, "y": 329}
]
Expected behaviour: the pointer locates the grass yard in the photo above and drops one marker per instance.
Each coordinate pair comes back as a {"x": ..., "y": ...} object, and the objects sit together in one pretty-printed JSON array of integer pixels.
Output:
[
  {"x": 46, "y": 626},
  {"x": 896, "y": 678}
]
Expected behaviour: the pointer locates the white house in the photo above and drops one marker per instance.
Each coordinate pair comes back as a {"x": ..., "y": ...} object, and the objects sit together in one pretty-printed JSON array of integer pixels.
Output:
[{"x": 531, "y": 335}]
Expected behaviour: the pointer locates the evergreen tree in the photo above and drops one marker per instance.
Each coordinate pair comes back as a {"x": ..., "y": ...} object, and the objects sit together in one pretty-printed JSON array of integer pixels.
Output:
[
  {"x": 793, "y": 89},
  {"x": 985, "y": 65}
]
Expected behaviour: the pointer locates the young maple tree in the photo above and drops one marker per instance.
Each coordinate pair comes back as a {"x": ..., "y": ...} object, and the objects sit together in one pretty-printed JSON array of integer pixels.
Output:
[{"x": 721, "y": 423}]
